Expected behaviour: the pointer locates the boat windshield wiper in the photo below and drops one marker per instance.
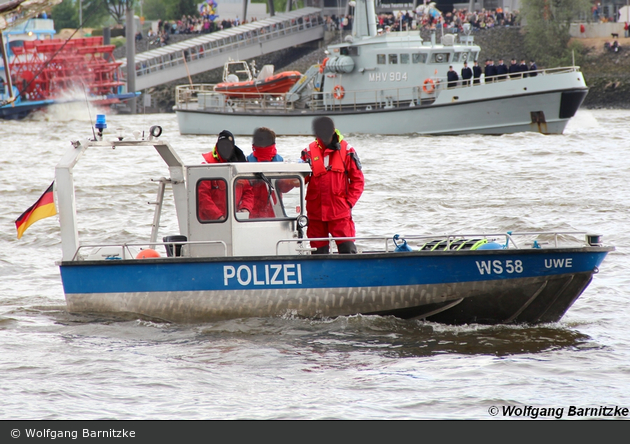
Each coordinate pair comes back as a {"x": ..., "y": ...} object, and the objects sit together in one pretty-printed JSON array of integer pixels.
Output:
[{"x": 268, "y": 182}]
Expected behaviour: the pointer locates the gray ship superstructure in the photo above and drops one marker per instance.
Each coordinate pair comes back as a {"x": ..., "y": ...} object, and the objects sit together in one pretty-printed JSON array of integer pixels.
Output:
[{"x": 393, "y": 83}]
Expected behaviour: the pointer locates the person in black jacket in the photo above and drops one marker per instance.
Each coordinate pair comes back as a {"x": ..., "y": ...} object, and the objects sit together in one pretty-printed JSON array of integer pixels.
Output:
[
  {"x": 467, "y": 74},
  {"x": 490, "y": 71},
  {"x": 524, "y": 68},
  {"x": 514, "y": 69},
  {"x": 476, "y": 69},
  {"x": 452, "y": 77},
  {"x": 502, "y": 70},
  {"x": 534, "y": 68}
]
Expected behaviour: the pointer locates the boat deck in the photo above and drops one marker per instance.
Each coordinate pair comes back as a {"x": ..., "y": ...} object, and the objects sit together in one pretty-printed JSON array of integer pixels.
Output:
[{"x": 203, "y": 97}]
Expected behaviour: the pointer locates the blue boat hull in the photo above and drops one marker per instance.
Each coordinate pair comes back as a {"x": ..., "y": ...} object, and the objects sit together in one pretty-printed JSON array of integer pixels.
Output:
[
  {"x": 455, "y": 287},
  {"x": 22, "y": 109}
]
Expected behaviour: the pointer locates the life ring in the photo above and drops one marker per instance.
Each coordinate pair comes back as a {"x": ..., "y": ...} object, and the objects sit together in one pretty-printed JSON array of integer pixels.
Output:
[
  {"x": 338, "y": 92},
  {"x": 431, "y": 86},
  {"x": 323, "y": 65}
]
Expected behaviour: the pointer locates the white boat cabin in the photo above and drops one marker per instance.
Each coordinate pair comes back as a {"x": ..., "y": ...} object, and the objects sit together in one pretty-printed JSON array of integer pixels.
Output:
[
  {"x": 274, "y": 189},
  {"x": 228, "y": 209}
]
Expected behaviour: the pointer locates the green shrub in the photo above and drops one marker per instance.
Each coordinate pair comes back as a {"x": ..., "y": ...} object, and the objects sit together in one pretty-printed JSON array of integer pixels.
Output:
[{"x": 118, "y": 41}]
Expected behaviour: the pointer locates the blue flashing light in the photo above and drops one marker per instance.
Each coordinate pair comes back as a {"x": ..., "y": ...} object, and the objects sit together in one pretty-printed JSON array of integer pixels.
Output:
[{"x": 100, "y": 122}]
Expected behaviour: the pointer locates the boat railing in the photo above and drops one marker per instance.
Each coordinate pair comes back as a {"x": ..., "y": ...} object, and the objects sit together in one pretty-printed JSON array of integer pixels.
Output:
[
  {"x": 507, "y": 239},
  {"x": 552, "y": 238},
  {"x": 127, "y": 253},
  {"x": 534, "y": 239},
  {"x": 509, "y": 76},
  {"x": 203, "y": 96}
]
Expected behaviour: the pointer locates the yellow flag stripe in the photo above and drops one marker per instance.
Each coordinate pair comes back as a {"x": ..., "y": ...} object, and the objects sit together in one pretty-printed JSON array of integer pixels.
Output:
[{"x": 39, "y": 213}]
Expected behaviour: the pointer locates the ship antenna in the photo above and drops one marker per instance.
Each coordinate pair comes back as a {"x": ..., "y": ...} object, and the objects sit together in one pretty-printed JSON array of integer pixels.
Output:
[{"x": 87, "y": 104}]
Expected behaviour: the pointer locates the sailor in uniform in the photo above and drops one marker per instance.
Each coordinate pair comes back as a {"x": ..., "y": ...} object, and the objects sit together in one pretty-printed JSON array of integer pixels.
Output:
[
  {"x": 452, "y": 77},
  {"x": 524, "y": 68},
  {"x": 501, "y": 70},
  {"x": 514, "y": 69},
  {"x": 467, "y": 74},
  {"x": 490, "y": 71},
  {"x": 476, "y": 73}
]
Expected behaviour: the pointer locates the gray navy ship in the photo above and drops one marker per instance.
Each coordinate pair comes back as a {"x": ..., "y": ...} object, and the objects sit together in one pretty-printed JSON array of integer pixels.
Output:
[{"x": 392, "y": 83}]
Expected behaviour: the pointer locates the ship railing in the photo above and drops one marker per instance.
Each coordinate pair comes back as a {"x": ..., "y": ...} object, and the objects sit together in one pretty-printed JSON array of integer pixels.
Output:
[
  {"x": 370, "y": 244},
  {"x": 508, "y": 240},
  {"x": 187, "y": 96},
  {"x": 126, "y": 249},
  {"x": 214, "y": 44},
  {"x": 203, "y": 96},
  {"x": 369, "y": 99},
  {"x": 507, "y": 77}
]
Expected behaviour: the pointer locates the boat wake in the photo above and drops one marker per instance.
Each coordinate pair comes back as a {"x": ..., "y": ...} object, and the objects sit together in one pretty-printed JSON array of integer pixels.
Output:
[{"x": 385, "y": 335}]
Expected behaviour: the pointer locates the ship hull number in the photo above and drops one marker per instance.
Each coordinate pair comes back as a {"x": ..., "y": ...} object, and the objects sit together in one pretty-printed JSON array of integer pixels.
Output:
[
  {"x": 396, "y": 76},
  {"x": 516, "y": 266}
]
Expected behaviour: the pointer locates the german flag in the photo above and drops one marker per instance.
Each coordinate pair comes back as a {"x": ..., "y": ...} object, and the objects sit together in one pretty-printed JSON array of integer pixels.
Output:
[{"x": 44, "y": 207}]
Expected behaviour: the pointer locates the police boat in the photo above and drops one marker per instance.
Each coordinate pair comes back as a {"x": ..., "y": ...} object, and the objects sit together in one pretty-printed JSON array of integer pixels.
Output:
[{"x": 238, "y": 266}]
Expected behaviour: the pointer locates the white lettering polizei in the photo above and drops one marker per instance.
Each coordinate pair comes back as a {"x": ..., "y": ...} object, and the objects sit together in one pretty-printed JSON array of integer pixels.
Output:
[{"x": 273, "y": 274}]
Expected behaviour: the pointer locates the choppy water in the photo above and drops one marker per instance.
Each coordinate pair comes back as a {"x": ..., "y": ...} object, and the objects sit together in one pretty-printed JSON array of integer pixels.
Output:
[{"x": 56, "y": 365}]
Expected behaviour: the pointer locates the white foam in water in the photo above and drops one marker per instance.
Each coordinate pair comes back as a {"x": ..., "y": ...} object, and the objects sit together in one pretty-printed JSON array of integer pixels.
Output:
[
  {"x": 71, "y": 105},
  {"x": 582, "y": 119}
]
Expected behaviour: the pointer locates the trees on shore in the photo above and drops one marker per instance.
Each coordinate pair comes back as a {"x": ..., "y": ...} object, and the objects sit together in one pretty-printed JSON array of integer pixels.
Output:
[{"x": 547, "y": 25}]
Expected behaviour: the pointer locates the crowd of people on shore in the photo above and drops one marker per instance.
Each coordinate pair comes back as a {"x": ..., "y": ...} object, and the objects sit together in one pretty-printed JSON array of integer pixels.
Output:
[
  {"x": 428, "y": 19},
  {"x": 189, "y": 25}
]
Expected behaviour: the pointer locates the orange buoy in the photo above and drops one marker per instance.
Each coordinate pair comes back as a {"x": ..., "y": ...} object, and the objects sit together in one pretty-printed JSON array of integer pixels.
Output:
[
  {"x": 338, "y": 92},
  {"x": 148, "y": 254},
  {"x": 428, "y": 86}
]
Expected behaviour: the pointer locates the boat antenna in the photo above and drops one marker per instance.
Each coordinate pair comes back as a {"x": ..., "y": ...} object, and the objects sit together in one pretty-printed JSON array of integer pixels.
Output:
[
  {"x": 87, "y": 104},
  {"x": 13, "y": 99}
]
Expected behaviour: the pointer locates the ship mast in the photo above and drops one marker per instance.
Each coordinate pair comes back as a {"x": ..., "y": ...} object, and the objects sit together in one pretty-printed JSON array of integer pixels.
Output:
[{"x": 364, "y": 19}]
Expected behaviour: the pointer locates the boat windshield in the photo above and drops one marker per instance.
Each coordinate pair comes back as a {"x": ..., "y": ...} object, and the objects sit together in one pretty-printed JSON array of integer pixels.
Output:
[{"x": 274, "y": 197}]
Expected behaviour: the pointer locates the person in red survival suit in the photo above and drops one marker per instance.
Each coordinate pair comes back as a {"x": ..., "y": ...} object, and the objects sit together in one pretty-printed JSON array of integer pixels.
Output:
[
  {"x": 265, "y": 196},
  {"x": 212, "y": 194},
  {"x": 334, "y": 187}
]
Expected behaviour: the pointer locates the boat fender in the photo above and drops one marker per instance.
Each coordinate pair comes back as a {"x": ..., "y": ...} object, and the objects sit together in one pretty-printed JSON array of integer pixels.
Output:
[
  {"x": 148, "y": 253},
  {"x": 401, "y": 247},
  {"x": 478, "y": 243},
  {"x": 491, "y": 246},
  {"x": 338, "y": 92},
  {"x": 323, "y": 66},
  {"x": 428, "y": 86}
]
